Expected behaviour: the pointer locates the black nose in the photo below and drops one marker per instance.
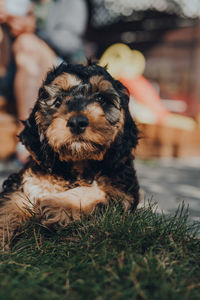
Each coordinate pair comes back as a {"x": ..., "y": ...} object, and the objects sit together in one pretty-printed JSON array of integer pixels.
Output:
[{"x": 77, "y": 124}]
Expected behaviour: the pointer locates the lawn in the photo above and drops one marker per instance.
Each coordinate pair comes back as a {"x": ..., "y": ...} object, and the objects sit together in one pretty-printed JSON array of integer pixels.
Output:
[{"x": 141, "y": 255}]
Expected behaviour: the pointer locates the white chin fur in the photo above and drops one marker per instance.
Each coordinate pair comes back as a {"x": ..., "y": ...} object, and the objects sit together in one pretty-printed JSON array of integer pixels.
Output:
[{"x": 76, "y": 146}]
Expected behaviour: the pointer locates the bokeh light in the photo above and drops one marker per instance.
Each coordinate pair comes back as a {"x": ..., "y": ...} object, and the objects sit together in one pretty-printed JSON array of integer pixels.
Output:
[
  {"x": 108, "y": 11},
  {"x": 184, "y": 7}
]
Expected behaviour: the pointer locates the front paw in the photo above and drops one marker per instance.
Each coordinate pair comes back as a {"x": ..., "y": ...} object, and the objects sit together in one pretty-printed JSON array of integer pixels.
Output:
[{"x": 49, "y": 214}]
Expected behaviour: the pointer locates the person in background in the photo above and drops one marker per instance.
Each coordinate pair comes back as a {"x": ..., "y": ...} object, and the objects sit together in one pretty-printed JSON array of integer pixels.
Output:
[{"x": 45, "y": 34}]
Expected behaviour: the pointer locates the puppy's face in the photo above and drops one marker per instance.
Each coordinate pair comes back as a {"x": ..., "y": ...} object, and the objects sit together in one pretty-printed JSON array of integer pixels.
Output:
[
  {"x": 79, "y": 119},
  {"x": 81, "y": 112}
]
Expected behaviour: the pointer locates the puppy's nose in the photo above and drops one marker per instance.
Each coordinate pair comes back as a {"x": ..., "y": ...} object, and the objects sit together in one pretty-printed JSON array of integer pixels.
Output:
[{"x": 77, "y": 124}]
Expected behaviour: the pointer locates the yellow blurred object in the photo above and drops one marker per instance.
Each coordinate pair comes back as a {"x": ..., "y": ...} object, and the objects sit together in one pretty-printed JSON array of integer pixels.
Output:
[
  {"x": 135, "y": 65},
  {"x": 145, "y": 115},
  {"x": 180, "y": 122},
  {"x": 122, "y": 62}
]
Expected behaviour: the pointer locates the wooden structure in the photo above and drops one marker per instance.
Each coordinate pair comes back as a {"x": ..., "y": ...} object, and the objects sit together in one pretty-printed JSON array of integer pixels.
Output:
[{"x": 162, "y": 141}]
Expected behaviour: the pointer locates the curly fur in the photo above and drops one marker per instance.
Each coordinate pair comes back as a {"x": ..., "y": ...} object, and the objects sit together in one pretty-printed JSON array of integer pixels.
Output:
[{"x": 69, "y": 174}]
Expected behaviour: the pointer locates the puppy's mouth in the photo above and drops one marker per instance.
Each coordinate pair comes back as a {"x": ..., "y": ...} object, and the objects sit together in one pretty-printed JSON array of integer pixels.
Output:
[{"x": 79, "y": 149}]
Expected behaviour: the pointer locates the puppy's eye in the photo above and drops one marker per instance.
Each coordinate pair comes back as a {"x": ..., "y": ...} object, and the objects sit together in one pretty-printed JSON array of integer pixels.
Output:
[
  {"x": 57, "y": 102},
  {"x": 99, "y": 98},
  {"x": 43, "y": 94}
]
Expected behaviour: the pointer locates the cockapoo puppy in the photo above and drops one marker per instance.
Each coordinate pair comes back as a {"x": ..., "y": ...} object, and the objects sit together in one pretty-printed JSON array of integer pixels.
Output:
[{"x": 80, "y": 136}]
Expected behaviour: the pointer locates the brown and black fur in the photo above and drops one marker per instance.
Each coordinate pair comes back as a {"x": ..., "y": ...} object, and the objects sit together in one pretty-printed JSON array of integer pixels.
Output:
[{"x": 80, "y": 136}]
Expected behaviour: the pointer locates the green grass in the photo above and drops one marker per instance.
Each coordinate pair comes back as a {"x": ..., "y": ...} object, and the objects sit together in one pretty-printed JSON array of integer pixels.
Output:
[{"x": 111, "y": 256}]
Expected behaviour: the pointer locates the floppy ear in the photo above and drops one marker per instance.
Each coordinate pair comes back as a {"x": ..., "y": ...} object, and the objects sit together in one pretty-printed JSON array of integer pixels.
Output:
[
  {"x": 126, "y": 141},
  {"x": 130, "y": 131},
  {"x": 35, "y": 143},
  {"x": 130, "y": 138}
]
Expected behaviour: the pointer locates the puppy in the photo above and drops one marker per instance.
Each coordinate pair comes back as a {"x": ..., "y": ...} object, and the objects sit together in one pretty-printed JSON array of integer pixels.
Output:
[{"x": 80, "y": 136}]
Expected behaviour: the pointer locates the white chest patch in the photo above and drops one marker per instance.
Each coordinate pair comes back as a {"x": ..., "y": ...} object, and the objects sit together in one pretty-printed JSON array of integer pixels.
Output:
[
  {"x": 39, "y": 187},
  {"x": 48, "y": 188}
]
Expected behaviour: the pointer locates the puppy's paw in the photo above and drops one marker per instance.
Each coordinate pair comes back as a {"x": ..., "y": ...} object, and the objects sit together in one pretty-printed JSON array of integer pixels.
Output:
[{"x": 51, "y": 215}]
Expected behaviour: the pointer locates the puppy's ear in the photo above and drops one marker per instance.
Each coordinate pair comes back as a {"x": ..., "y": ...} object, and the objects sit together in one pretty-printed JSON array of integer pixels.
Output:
[
  {"x": 130, "y": 128},
  {"x": 127, "y": 140},
  {"x": 130, "y": 131},
  {"x": 35, "y": 142}
]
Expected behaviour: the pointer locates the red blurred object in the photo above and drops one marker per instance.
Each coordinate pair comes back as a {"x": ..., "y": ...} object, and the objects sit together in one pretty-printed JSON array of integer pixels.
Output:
[{"x": 141, "y": 89}]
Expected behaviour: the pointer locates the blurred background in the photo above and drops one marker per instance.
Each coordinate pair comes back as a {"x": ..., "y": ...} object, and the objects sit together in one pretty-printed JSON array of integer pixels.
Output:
[
  {"x": 167, "y": 32},
  {"x": 163, "y": 37}
]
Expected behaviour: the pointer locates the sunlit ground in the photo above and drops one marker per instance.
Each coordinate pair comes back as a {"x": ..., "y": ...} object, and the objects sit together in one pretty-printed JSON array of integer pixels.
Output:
[{"x": 170, "y": 182}]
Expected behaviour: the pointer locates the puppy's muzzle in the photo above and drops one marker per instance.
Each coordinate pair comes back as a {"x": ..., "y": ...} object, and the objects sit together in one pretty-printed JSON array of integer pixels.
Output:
[{"x": 77, "y": 124}]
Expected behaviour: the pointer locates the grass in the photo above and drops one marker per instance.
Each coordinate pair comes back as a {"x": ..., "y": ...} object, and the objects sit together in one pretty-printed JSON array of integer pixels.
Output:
[{"x": 111, "y": 256}]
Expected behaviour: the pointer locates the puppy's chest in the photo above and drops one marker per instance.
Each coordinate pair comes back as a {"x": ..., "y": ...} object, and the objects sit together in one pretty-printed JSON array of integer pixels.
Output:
[{"x": 37, "y": 186}]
